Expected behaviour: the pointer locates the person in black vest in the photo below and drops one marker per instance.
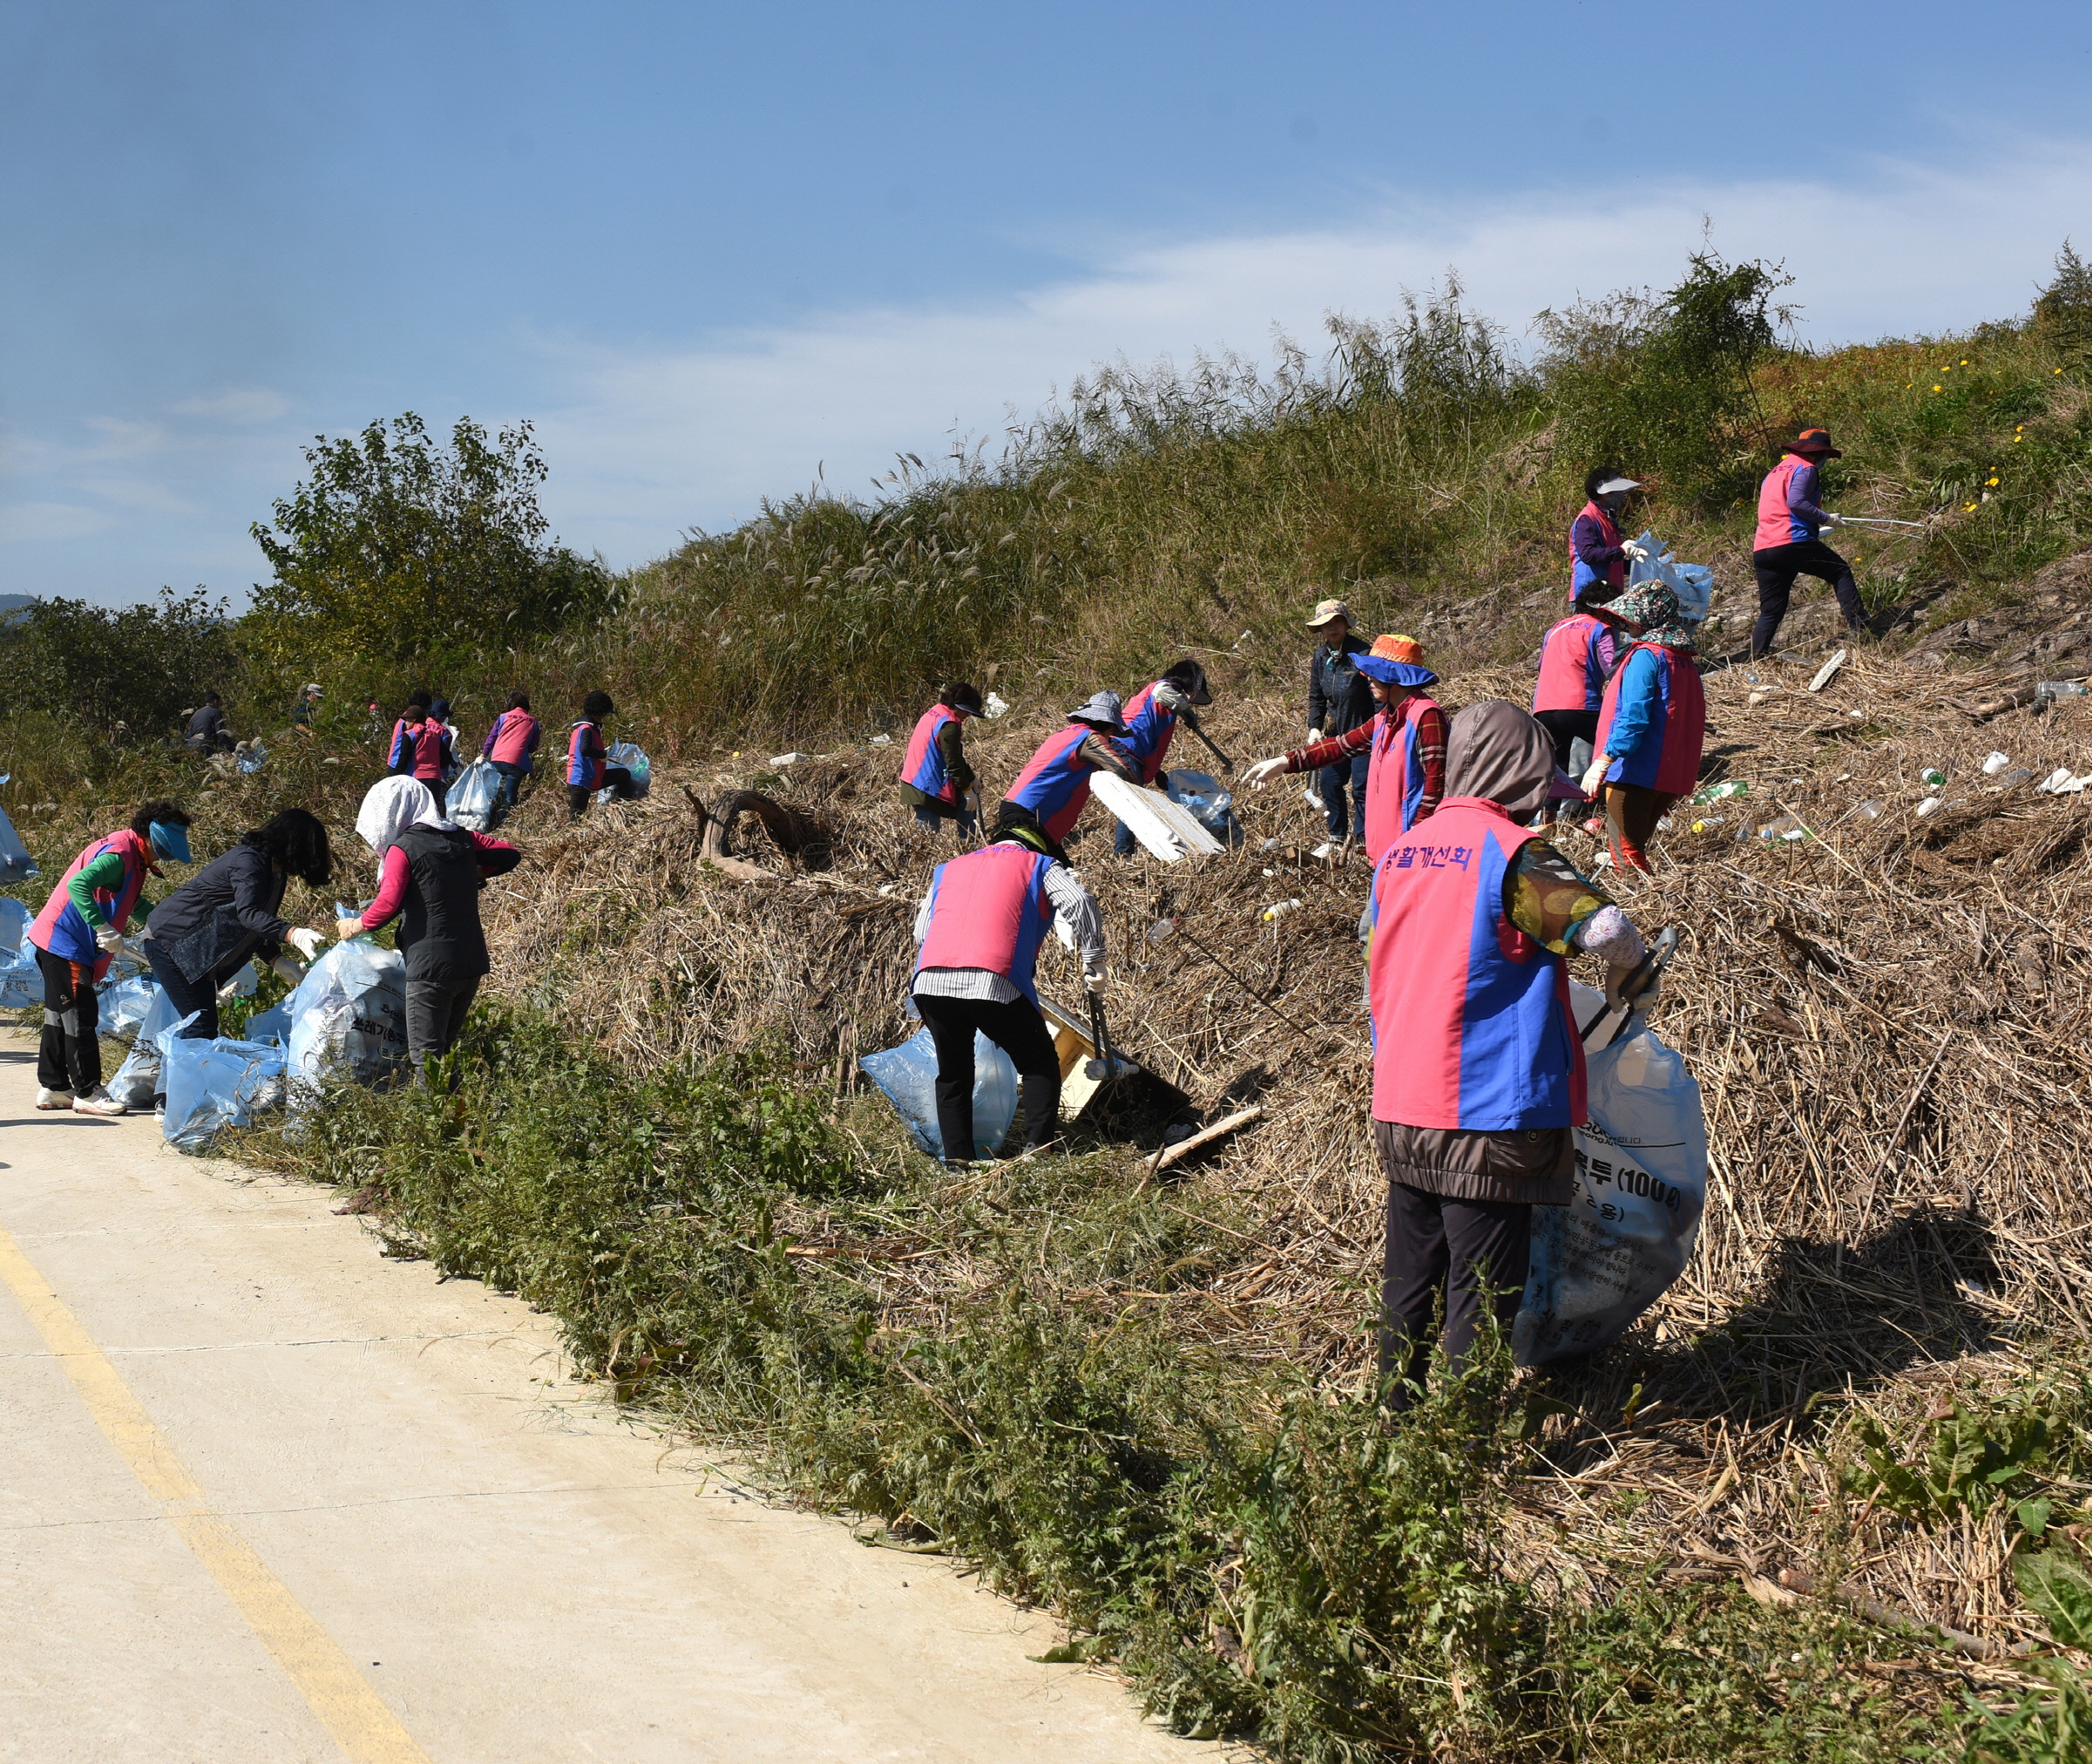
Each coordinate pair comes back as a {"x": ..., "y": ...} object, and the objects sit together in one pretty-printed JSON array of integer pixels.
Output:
[
  {"x": 429, "y": 872},
  {"x": 202, "y": 934}
]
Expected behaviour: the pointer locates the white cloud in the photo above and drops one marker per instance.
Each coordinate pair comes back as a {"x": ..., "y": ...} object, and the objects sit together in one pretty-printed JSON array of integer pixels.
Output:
[
  {"x": 649, "y": 443},
  {"x": 28, "y": 523}
]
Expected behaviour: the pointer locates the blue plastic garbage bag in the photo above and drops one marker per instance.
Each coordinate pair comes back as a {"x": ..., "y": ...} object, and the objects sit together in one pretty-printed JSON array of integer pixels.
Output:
[
  {"x": 1208, "y": 799},
  {"x": 271, "y": 1025},
  {"x": 908, "y": 1076},
  {"x": 256, "y": 757},
  {"x": 21, "y": 980},
  {"x": 471, "y": 799},
  {"x": 1694, "y": 584},
  {"x": 1634, "y": 1215},
  {"x": 632, "y": 756},
  {"x": 136, "y": 1081},
  {"x": 215, "y": 1084},
  {"x": 126, "y": 1004},
  {"x": 349, "y": 1017},
  {"x": 15, "y": 861}
]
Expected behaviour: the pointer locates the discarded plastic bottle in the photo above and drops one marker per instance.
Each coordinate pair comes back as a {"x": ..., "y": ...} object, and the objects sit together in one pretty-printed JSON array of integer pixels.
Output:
[
  {"x": 2059, "y": 689},
  {"x": 1279, "y": 909},
  {"x": 1868, "y": 810},
  {"x": 1162, "y": 931},
  {"x": 1786, "y": 827},
  {"x": 1995, "y": 763},
  {"x": 1714, "y": 793},
  {"x": 1931, "y": 778}
]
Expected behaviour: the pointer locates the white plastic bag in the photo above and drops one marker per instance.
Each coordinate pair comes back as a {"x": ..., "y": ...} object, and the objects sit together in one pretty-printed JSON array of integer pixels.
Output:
[
  {"x": 1694, "y": 584},
  {"x": 908, "y": 1076},
  {"x": 21, "y": 979},
  {"x": 123, "y": 1007},
  {"x": 1641, "y": 1187},
  {"x": 632, "y": 756},
  {"x": 472, "y": 798},
  {"x": 15, "y": 861},
  {"x": 349, "y": 1017},
  {"x": 1204, "y": 796},
  {"x": 136, "y": 1081}
]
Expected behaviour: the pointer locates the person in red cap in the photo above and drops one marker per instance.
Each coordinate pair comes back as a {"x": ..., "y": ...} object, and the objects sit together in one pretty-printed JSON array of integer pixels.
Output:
[{"x": 1791, "y": 516}]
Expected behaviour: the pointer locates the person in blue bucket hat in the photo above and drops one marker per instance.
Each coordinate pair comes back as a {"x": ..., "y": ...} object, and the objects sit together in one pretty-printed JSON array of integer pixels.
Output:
[{"x": 1406, "y": 739}]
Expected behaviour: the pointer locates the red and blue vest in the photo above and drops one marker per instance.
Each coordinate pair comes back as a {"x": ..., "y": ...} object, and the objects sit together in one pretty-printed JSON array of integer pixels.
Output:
[
  {"x": 399, "y": 757},
  {"x": 988, "y": 909},
  {"x": 1666, "y": 757},
  {"x": 1471, "y": 1025},
  {"x": 1778, "y": 521},
  {"x": 585, "y": 767},
  {"x": 1394, "y": 779},
  {"x": 1572, "y": 665},
  {"x": 510, "y": 741},
  {"x": 1150, "y": 728},
  {"x": 923, "y": 764},
  {"x": 1057, "y": 783},
  {"x": 59, "y": 927},
  {"x": 1581, "y": 575}
]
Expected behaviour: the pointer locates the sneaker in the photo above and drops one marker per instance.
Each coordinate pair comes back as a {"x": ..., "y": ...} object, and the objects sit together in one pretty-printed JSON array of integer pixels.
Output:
[
  {"x": 53, "y": 1099},
  {"x": 101, "y": 1102}
]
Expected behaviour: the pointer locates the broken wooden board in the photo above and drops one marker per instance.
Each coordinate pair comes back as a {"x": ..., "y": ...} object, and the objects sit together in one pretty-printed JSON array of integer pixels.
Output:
[
  {"x": 1076, "y": 1051},
  {"x": 1183, "y": 1147},
  {"x": 1165, "y": 829}
]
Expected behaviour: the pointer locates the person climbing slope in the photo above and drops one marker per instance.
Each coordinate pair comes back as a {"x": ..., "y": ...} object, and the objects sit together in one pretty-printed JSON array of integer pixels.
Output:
[
  {"x": 429, "y": 876},
  {"x": 980, "y": 927},
  {"x": 511, "y": 746},
  {"x": 1576, "y": 660},
  {"x": 1597, "y": 555},
  {"x": 76, "y": 936},
  {"x": 936, "y": 779},
  {"x": 1787, "y": 544},
  {"x": 1151, "y": 716},
  {"x": 1652, "y": 723},
  {"x": 1478, "y": 1069},
  {"x": 1055, "y": 783},
  {"x": 1405, "y": 739}
]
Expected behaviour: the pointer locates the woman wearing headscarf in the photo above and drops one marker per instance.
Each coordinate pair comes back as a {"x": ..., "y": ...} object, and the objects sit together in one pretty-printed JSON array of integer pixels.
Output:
[
  {"x": 203, "y": 932},
  {"x": 430, "y": 871},
  {"x": 77, "y": 934},
  {"x": 1478, "y": 1070},
  {"x": 1652, "y": 723}
]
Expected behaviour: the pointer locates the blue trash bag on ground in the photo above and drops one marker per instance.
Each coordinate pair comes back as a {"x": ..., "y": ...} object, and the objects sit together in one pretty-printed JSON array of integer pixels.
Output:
[
  {"x": 472, "y": 798},
  {"x": 1209, "y": 801},
  {"x": 632, "y": 756},
  {"x": 125, "y": 1005},
  {"x": 15, "y": 861},
  {"x": 21, "y": 980},
  {"x": 136, "y": 1081},
  {"x": 349, "y": 1018},
  {"x": 908, "y": 1076},
  {"x": 1633, "y": 1215},
  {"x": 271, "y": 1025},
  {"x": 216, "y": 1084}
]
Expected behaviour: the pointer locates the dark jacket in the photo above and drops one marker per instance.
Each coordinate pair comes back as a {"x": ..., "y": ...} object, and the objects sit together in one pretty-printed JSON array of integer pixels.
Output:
[
  {"x": 439, "y": 931},
  {"x": 207, "y": 731},
  {"x": 247, "y": 881},
  {"x": 1338, "y": 696}
]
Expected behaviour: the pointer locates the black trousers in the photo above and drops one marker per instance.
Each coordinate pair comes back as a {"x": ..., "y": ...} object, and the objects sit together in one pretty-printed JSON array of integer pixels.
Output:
[
  {"x": 1474, "y": 1251},
  {"x": 1777, "y": 565},
  {"x": 1565, "y": 727},
  {"x": 617, "y": 780},
  {"x": 70, "y": 1055},
  {"x": 1020, "y": 1031},
  {"x": 436, "y": 1014}
]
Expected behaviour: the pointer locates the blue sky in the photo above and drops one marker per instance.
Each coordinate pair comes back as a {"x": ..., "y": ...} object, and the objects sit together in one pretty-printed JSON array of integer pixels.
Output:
[{"x": 711, "y": 250}]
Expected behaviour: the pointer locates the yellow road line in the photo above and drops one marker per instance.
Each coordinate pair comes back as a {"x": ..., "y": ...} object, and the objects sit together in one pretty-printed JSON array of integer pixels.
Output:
[{"x": 354, "y": 1713}]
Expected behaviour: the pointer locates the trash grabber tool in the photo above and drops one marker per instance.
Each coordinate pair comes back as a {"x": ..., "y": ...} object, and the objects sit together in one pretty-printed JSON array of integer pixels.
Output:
[
  {"x": 1612, "y": 1023},
  {"x": 1191, "y": 723}
]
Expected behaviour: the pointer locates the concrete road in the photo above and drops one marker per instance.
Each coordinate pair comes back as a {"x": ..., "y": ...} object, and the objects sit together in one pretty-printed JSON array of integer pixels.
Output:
[{"x": 265, "y": 1495}]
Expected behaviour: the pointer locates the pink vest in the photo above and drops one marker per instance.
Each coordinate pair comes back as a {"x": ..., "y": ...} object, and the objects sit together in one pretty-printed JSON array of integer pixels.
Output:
[
  {"x": 1568, "y": 663},
  {"x": 1394, "y": 779},
  {"x": 60, "y": 930},
  {"x": 989, "y": 910},
  {"x": 1680, "y": 728},
  {"x": 512, "y": 732},
  {"x": 1471, "y": 1025},
  {"x": 923, "y": 764},
  {"x": 1775, "y": 518}
]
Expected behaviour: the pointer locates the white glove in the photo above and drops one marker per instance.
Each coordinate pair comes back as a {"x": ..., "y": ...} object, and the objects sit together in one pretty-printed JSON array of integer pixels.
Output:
[
  {"x": 1314, "y": 735},
  {"x": 307, "y": 943},
  {"x": 1264, "y": 769},
  {"x": 1635, "y": 549},
  {"x": 286, "y": 970},
  {"x": 1831, "y": 520},
  {"x": 1594, "y": 779},
  {"x": 108, "y": 939},
  {"x": 1093, "y": 977},
  {"x": 1171, "y": 697},
  {"x": 347, "y": 928},
  {"x": 971, "y": 800}
]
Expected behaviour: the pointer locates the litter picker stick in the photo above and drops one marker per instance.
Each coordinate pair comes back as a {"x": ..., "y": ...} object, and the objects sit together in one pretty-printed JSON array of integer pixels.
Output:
[
  {"x": 1191, "y": 723},
  {"x": 1881, "y": 520},
  {"x": 1612, "y": 1023},
  {"x": 1251, "y": 991}
]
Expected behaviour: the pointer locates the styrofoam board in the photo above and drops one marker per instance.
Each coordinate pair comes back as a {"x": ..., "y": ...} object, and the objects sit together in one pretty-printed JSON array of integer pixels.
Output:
[{"x": 1167, "y": 830}]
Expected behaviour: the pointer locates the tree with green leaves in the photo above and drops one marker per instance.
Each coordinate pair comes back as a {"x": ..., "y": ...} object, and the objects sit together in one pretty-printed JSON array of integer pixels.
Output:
[
  {"x": 123, "y": 672},
  {"x": 397, "y": 549}
]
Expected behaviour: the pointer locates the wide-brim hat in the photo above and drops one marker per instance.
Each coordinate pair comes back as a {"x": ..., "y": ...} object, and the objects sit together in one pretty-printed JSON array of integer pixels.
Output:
[
  {"x": 1815, "y": 441},
  {"x": 1390, "y": 672},
  {"x": 1617, "y": 486},
  {"x": 1327, "y": 610},
  {"x": 1102, "y": 710}
]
